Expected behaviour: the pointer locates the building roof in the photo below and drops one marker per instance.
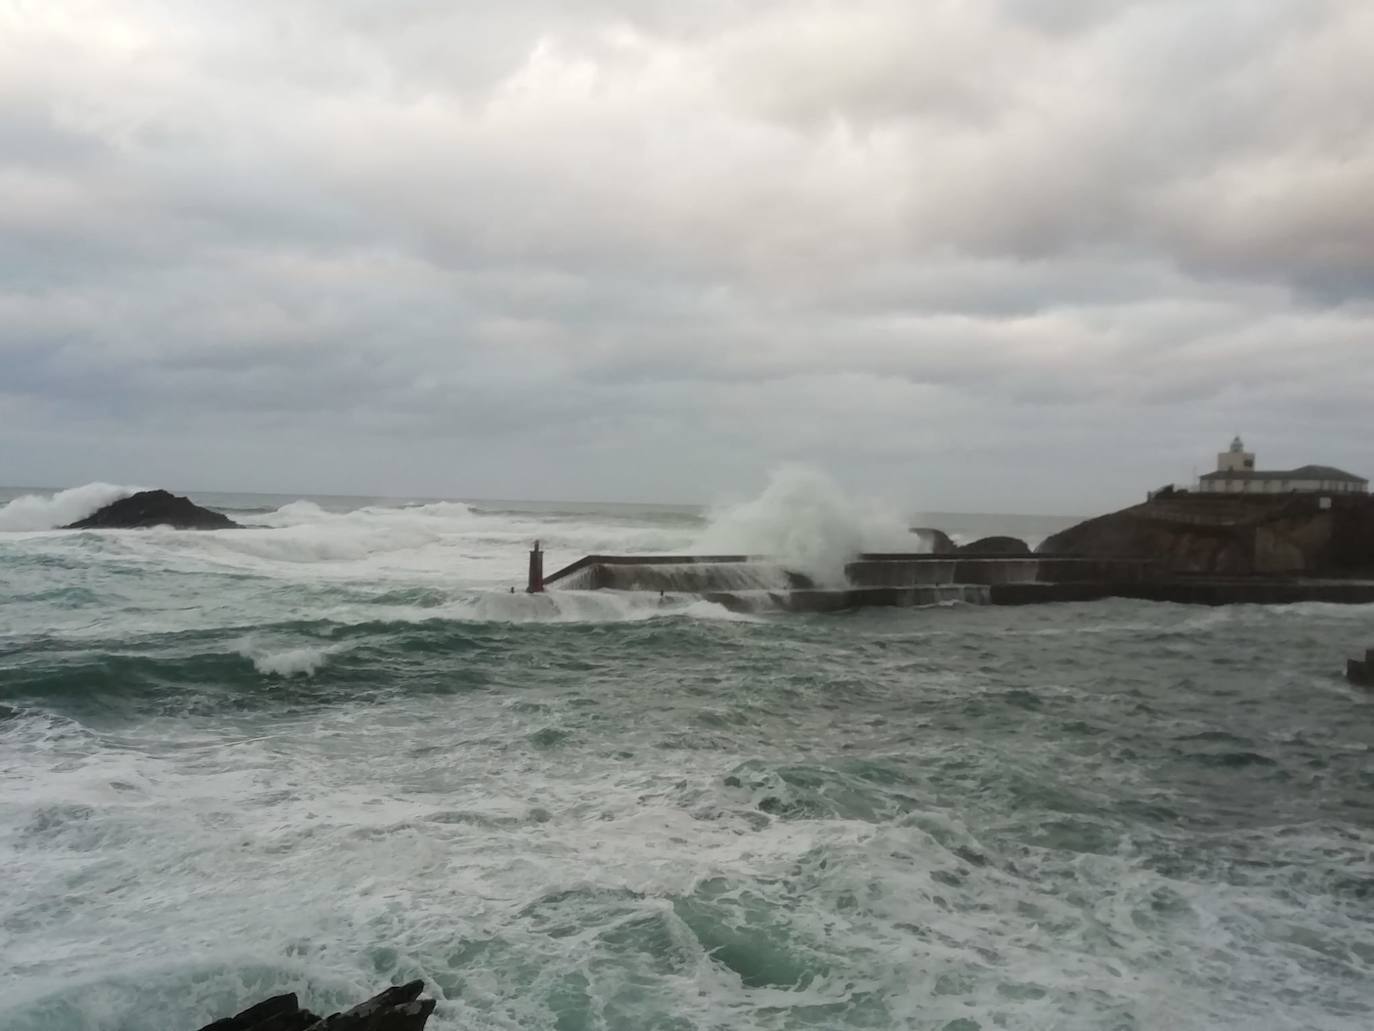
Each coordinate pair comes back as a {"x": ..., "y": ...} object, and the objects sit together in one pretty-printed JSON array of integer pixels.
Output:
[{"x": 1306, "y": 472}]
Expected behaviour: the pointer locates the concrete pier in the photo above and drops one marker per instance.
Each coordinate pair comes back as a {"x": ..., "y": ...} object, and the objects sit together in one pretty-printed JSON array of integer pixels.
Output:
[
  {"x": 752, "y": 583},
  {"x": 699, "y": 574},
  {"x": 1192, "y": 591}
]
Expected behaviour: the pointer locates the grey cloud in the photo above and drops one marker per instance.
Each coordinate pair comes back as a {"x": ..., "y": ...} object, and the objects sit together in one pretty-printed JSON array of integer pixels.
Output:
[{"x": 625, "y": 250}]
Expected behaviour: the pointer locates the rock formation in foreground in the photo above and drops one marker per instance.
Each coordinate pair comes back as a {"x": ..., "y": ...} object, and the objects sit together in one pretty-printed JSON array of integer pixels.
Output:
[
  {"x": 1233, "y": 535},
  {"x": 399, "y": 1008},
  {"x": 153, "y": 508}
]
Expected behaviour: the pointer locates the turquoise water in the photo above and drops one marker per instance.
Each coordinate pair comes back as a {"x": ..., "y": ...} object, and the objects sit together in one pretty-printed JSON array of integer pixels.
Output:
[{"x": 335, "y": 752}]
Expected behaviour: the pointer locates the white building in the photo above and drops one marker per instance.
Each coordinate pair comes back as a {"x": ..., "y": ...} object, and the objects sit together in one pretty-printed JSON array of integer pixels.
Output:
[{"x": 1236, "y": 474}]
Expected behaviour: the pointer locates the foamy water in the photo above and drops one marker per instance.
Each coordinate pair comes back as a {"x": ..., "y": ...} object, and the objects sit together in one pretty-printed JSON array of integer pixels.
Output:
[{"x": 335, "y": 751}]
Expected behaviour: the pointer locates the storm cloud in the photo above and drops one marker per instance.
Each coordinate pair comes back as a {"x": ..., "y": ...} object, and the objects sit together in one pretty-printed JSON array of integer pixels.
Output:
[{"x": 979, "y": 254}]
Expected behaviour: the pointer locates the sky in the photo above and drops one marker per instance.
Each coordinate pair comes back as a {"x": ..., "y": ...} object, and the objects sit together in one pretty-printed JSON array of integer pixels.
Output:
[{"x": 982, "y": 255}]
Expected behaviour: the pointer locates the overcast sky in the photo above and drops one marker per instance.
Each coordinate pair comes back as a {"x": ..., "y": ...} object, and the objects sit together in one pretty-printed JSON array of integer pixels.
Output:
[{"x": 1008, "y": 255}]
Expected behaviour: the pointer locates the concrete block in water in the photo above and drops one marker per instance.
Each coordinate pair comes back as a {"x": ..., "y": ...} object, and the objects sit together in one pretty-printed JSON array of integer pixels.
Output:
[
  {"x": 1361, "y": 673},
  {"x": 900, "y": 572},
  {"x": 1004, "y": 546},
  {"x": 1040, "y": 593},
  {"x": 997, "y": 571}
]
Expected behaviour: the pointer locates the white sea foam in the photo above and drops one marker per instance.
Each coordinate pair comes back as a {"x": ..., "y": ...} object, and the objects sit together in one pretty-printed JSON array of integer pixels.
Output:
[
  {"x": 50, "y": 511},
  {"x": 299, "y": 513},
  {"x": 303, "y": 660},
  {"x": 801, "y": 517},
  {"x": 443, "y": 544},
  {"x": 238, "y": 849},
  {"x": 806, "y": 521},
  {"x": 603, "y": 606},
  {"x": 702, "y": 609}
]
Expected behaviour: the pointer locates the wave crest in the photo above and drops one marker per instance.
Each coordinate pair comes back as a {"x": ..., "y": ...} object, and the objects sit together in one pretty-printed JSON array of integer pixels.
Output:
[
  {"x": 49, "y": 512},
  {"x": 309, "y": 513},
  {"x": 289, "y": 662}
]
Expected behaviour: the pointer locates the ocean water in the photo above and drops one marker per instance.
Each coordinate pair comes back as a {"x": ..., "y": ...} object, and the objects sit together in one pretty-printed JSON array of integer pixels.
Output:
[{"x": 334, "y": 752}]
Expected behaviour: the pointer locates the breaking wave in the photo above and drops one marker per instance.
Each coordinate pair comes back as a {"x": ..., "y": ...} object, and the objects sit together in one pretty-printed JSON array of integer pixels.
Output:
[
  {"x": 808, "y": 523},
  {"x": 288, "y": 662},
  {"x": 48, "y": 512}
]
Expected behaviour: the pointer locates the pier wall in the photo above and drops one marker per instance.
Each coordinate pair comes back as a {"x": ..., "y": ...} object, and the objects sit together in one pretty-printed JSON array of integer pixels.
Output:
[
  {"x": 745, "y": 583},
  {"x": 1195, "y": 591},
  {"x": 707, "y": 573}
]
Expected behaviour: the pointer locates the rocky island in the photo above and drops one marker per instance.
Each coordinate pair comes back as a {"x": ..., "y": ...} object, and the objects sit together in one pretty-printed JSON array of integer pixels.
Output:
[{"x": 149, "y": 508}]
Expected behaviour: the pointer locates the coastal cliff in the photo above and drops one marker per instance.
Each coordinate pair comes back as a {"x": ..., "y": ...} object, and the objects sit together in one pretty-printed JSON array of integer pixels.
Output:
[{"x": 1292, "y": 535}]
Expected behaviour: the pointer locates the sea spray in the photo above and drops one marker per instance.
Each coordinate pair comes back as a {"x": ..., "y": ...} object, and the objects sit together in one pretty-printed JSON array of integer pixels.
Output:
[
  {"x": 807, "y": 522},
  {"x": 301, "y": 660},
  {"x": 38, "y": 512}
]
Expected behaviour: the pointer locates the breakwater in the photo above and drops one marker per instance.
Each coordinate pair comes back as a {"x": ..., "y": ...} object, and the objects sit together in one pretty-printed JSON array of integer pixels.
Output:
[{"x": 750, "y": 583}]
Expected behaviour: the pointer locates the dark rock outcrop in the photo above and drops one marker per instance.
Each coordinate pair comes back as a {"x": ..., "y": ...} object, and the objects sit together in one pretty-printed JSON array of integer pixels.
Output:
[
  {"x": 280, "y": 1013},
  {"x": 398, "y": 1008},
  {"x": 1230, "y": 535},
  {"x": 153, "y": 508},
  {"x": 997, "y": 546},
  {"x": 936, "y": 542}
]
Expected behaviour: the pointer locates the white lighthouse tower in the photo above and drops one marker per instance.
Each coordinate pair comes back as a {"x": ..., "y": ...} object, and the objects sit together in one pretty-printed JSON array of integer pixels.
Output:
[{"x": 1236, "y": 459}]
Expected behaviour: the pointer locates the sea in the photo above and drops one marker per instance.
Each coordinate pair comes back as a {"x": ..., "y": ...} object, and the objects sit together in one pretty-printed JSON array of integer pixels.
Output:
[{"x": 336, "y": 751}]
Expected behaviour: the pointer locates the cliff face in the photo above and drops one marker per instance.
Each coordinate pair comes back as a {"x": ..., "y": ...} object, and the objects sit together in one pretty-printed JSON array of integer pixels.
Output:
[{"x": 1233, "y": 536}]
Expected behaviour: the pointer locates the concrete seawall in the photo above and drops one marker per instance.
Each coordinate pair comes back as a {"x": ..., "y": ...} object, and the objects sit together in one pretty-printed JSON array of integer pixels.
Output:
[
  {"x": 748, "y": 583},
  {"x": 1259, "y": 591},
  {"x": 701, "y": 574},
  {"x": 838, "y": 600}
]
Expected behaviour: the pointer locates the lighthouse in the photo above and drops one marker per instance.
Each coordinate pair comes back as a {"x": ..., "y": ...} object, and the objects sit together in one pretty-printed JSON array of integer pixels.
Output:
[{"x": 1236, "y": 459}]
